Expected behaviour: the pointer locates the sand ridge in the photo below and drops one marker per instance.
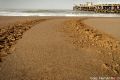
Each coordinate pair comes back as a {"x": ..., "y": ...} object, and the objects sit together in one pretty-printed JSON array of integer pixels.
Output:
[
  {"x": 10, "y": 34},
  {"x": 84, "y": 36}
]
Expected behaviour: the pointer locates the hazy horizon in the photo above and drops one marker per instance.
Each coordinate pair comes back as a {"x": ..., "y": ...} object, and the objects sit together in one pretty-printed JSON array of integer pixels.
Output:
[{"x": 46, "y": 4}]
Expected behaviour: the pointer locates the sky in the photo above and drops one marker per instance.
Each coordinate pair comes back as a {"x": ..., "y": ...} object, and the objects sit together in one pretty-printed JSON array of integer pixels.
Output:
[{"x": 47, "y": 4}]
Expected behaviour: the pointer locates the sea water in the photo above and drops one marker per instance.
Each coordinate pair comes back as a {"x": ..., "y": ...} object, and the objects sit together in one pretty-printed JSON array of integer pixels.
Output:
[{"x": 66, "y": 13}]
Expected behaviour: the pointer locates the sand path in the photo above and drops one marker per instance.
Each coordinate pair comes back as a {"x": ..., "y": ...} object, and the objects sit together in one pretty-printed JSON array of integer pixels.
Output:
[{"x": 45, "y": 54}]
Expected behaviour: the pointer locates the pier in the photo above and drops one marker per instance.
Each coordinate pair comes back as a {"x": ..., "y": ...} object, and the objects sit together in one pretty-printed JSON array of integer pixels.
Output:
[{"x": 99, "y": 8}]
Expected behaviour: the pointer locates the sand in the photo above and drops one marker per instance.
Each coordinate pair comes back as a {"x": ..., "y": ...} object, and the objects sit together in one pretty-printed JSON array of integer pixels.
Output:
[
  {"x": 63, "y": 49},
  {"x": 108, "y": 25},
  {"x": 11, "y": 33},
  {"x": 8, "y": 20}
]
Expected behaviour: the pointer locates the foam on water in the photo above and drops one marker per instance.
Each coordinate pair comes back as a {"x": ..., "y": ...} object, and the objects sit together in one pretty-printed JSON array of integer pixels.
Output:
[{"x": 67, "y": 13}]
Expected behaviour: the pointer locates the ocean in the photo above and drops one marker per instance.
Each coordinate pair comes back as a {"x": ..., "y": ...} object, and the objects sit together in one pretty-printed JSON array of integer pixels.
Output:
[{"x": 66, "y": 13}]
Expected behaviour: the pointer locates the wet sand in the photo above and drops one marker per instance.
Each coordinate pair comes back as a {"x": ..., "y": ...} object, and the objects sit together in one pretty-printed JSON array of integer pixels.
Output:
[{"x": 62, "y": 49}]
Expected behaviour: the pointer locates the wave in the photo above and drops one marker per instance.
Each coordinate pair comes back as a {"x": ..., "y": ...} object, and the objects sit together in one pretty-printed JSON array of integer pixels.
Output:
[{"x": 56, "y": 13}]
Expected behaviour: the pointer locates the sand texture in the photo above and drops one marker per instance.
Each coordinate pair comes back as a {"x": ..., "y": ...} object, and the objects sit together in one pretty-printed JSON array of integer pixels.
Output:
[
  {"x": 10, "y": 34},
  {"x": 108, "y": 25},
  {"x": 60, "y": 49}
]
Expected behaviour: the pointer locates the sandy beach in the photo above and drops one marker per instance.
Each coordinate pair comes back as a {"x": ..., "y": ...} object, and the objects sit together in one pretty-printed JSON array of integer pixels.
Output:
[
  {"x": 108, "y": 25},
  {"x": 59, "y": 48}
]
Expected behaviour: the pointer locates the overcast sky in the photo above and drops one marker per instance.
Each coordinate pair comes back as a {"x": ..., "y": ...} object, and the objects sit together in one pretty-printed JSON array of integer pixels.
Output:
[{"x": 47, "y": 4}]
